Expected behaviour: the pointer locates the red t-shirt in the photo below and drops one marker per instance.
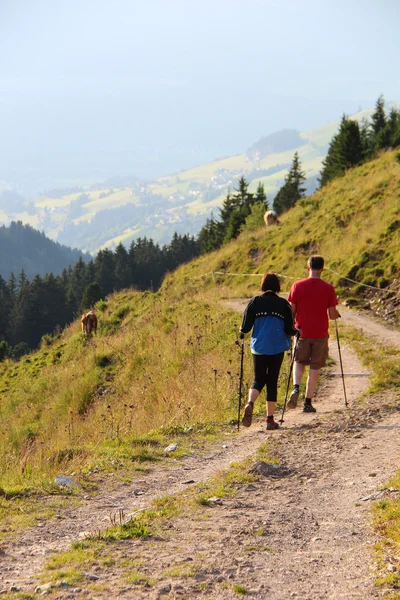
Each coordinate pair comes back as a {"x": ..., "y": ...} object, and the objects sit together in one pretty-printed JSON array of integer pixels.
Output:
[{"x": 313, "y": 297}]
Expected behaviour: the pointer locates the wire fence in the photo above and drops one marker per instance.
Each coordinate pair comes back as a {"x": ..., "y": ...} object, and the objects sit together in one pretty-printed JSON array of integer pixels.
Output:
[{"x": 372, "y": 287}]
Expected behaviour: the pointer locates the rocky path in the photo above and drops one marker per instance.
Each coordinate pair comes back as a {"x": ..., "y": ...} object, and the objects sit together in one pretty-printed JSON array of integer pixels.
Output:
[{"x": 304, "y": 535}]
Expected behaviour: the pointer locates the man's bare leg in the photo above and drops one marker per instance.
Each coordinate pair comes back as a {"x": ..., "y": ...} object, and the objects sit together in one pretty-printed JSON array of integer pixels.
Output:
[
  {"x": 311, "y": 385},
  {"x": 298, "y": 372},
  {"x": 312, "y": 382}
]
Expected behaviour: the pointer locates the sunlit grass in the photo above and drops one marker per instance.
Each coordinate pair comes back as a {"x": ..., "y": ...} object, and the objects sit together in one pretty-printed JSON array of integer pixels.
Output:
[
  {"x": 225, "y": 483},
  {"x": 22, "y": 510},
  {"x": 383, "y": 361},
  {"x": 139, "y": 375},
  {"x": 386, "y": 513},
  {"x": 350, "y": 222}
]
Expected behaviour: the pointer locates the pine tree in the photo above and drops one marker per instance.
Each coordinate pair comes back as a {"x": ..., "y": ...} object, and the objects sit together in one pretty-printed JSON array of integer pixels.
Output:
[
  {"x": 345, "y": 150},
  {"x": 350, "y": 144},
  {"x": 210, "y": 236},
  {"x": 105, "y": 271},
  {"x": 293, "y": 189},
  {"x": 242, "y": 201},
  {"x": 6, "y": 306},
  {"x": 58, "y": 308},
  {"x": 389, "y": 137},
  {"x": 243, "y": 196},
  {"x": 298, "y": 177},
  {"x": 228, "y": 206},
  {"x": 366, "y": 139},
  {"x": 237, "y": 219},
  {"x": 21, "y": 317},
  {"x": 90, "y": 272},
  {"x": 149, "y": 267},
  {"x": 181, "y": 249},
  {"x": 92, "y": 294},
  {"x": 132, "y": 262},
  {"x": 122, "y": 271},
  {"x": 379, "y": 116},
  {"x": 261, "y": 196},
  {"x": 22, "y": 283},
  {"x": 77, "y": 283},
  {"x": 395, "y": 136},
  {"x": 12, "y": 285},
  {"x": 393, "y": 126}
]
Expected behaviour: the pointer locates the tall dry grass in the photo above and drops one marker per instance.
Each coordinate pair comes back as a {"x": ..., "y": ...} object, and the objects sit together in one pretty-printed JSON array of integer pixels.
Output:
[{"x": 158, "y": 363}]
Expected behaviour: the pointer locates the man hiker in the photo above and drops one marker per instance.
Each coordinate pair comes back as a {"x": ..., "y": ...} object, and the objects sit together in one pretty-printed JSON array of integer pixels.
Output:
[
  {"x": 272, "y": 321},
  {"x": 312, "y": 301}
]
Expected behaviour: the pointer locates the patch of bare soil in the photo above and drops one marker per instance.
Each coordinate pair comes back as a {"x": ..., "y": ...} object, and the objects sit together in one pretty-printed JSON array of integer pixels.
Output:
[{"x": 304, "y": 535}]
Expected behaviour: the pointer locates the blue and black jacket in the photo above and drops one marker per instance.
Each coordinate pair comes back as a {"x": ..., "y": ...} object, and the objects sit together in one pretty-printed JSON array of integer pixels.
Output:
[{"x": 272, "y": 321}]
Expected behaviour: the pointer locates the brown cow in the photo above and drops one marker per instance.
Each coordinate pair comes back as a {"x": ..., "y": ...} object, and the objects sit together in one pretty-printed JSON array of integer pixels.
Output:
[
  {"x": 271, "y": 218},
  {"x": 89, "y": 323}
]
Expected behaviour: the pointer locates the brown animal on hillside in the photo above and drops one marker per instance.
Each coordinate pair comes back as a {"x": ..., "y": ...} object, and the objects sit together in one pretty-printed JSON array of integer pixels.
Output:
[
  {"x": 271, "y": 218},
  {"x": 89, "y": 323}
]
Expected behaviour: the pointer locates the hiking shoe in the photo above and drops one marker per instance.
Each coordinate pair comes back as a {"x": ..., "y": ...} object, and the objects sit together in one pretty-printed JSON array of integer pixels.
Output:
[
  {"x": 272, "y": 425},
  {"x": 309, "y": 408},
  {"x": 294, "y": 396},
  {"x": 248, "y": 414}
]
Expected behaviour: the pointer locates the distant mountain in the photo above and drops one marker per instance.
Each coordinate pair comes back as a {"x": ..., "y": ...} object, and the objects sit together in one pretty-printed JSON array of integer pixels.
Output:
[
  {"x": 22, "y": 247},
  {"x": 280, "y": 141}
]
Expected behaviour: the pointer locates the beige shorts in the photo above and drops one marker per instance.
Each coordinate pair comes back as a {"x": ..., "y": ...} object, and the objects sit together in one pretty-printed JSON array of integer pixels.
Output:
[{"x": 313, "y": 352}]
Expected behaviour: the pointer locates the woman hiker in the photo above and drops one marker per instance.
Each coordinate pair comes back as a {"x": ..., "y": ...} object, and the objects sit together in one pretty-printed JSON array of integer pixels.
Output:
[{"x": 272, "y": 321}]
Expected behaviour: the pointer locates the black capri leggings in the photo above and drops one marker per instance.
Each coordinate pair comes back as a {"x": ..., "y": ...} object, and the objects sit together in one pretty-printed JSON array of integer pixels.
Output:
[{"x": 266, "y": 372}]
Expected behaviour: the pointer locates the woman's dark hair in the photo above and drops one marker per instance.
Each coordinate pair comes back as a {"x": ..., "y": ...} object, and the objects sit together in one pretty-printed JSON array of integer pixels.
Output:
[{"x": 270, "y": 282}]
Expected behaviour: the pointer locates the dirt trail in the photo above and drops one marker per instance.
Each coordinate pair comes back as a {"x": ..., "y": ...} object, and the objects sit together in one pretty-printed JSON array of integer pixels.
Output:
[{"x": 305, "y": 535}]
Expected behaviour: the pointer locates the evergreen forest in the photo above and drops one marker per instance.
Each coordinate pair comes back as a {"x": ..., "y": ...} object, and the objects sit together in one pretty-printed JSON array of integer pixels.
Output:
[{"x": 23, "y": 247}]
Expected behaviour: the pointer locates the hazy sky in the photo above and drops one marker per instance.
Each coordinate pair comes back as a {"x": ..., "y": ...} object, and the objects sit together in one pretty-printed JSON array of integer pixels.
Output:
[{"x": 90, "y": 88}]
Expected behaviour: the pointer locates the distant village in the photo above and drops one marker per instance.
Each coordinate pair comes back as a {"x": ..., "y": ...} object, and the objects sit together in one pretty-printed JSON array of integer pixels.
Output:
[{"x": 145, "y": 208}]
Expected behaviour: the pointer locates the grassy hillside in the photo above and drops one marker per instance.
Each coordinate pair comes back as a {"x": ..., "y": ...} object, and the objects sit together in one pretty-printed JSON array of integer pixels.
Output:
[
  {"x": 155, "y": 365},
  {"x": 354, "y": 222},
  {"x": 164, "y": 364}
]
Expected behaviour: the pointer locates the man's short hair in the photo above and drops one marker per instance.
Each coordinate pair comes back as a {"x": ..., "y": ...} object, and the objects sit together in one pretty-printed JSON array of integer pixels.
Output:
[
  {"x": 315, "y": 263},
  {"x": 270, "y": 282}
]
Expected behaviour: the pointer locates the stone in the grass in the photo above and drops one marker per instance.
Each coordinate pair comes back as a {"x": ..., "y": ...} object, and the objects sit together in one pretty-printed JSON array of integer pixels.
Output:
[
  {"x": 265, "y": 469},
  {"x": 64, "y": 480},
  {"x": 171, "y": 448}
]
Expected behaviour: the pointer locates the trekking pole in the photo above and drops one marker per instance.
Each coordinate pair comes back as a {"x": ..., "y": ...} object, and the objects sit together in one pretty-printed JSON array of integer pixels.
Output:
[
  {"x": 289, "y": 377},
  {"x": 341, "y": 364},
  {"x": 240, "y": 377}
]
